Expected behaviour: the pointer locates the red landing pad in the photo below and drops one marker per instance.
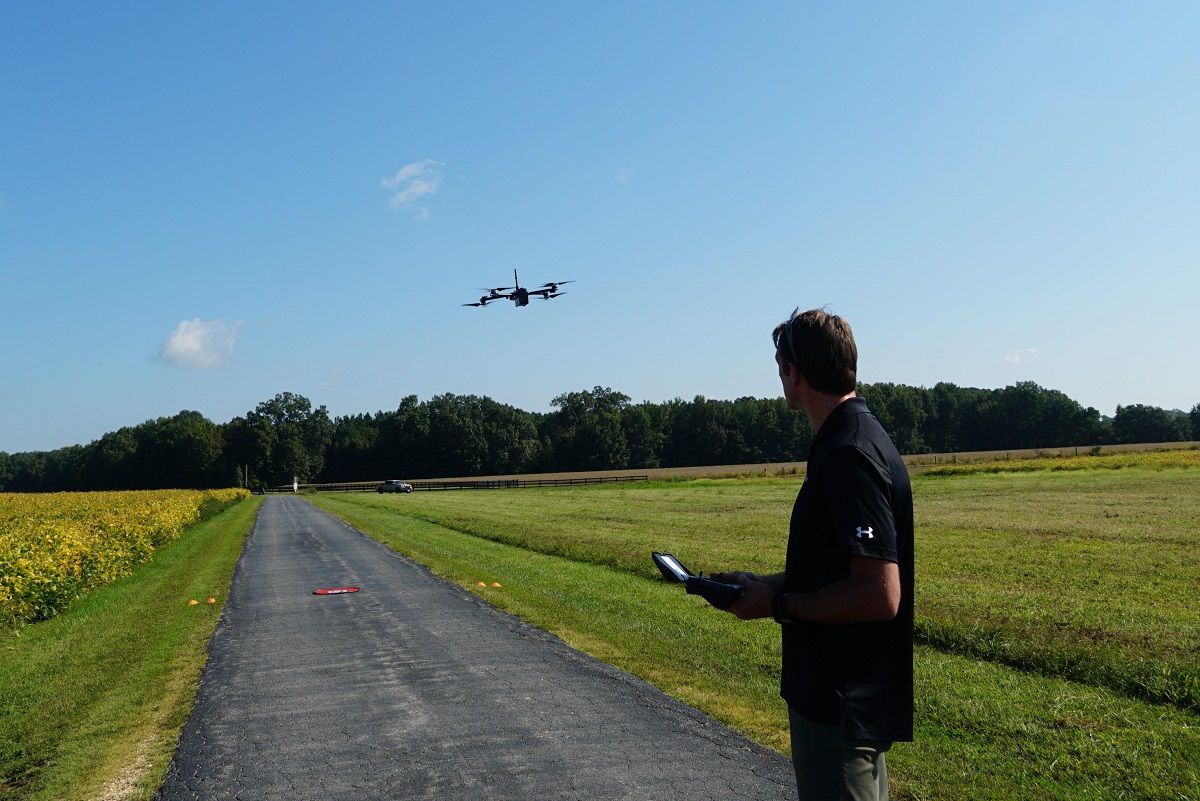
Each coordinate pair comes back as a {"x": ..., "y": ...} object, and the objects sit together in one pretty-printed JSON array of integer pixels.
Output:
[{"x": 335, "y": 590}]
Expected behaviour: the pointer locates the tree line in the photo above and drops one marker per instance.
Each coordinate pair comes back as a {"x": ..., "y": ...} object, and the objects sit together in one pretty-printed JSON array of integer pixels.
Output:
[{"x": 286, "y": 439}]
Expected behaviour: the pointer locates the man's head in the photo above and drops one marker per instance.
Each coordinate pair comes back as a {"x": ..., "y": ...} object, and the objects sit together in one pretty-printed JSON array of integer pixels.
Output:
[{"x": 820, "y": 346}]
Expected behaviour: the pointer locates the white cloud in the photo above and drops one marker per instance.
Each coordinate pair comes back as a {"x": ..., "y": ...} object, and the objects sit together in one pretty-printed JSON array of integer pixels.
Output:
[
  {"x": 336, "y": 377},
  {"x": 200, "y": 343},
  {"x": 1018, "y": 356},
  {"x": 623, "y": 174},
  {"x": 413, "y": 182}
]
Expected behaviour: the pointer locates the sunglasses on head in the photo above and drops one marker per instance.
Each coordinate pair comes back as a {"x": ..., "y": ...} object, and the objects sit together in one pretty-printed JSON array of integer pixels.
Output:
[{"x": 786, "y": 335}]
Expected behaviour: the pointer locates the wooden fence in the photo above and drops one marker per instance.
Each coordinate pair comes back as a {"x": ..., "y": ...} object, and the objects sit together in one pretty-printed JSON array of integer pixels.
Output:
[{"x": 467, "y": 484}]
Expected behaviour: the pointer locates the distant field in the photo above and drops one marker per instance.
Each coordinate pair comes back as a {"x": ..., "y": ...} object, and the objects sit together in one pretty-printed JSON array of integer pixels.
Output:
[
  {"x": 917, "y": 463},
  {"x": 1055, "y": 610}
]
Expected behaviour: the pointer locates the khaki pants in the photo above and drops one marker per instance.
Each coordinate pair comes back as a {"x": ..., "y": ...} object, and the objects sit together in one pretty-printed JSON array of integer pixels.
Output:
[{"x": 831, "y": 767}]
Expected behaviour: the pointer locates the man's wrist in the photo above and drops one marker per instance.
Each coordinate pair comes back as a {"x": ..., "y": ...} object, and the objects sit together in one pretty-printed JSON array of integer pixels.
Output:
[{"x": 779, "y": 609}]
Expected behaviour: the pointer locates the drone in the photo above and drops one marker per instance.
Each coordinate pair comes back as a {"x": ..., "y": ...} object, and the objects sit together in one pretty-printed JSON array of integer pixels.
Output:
[{"x": 519, "y": 294}]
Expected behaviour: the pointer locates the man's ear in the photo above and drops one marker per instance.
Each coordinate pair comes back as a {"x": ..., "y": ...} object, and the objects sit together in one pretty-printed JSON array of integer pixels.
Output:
[{"x": 794, "y": 376}]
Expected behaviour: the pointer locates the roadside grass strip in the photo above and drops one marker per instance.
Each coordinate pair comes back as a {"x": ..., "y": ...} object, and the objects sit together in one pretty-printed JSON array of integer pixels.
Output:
[
  {"x": 92, "y": 701},
  {"x": 1056, "y": 610}
]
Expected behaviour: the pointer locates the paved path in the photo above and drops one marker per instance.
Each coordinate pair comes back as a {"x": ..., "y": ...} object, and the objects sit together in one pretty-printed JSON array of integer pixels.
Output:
[{"x": 415, "y": 689}]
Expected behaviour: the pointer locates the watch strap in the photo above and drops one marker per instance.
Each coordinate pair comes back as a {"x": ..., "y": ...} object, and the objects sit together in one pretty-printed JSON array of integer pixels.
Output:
[{"x": 779, "y": 609}]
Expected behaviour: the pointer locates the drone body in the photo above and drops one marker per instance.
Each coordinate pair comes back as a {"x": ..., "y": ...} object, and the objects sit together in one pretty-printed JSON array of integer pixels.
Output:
[{"x": 518, "y": 294}]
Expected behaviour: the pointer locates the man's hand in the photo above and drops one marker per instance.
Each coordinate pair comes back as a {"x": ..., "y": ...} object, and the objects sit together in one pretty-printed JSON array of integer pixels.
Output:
[
  {"x": 870, "y": 593},
  {"x": 760, "y": 591},
  {"x": 756, "y": 603}
]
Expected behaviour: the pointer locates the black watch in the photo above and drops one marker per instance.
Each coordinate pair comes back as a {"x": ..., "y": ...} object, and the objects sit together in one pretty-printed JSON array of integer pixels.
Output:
[{"x": 779, "y": 609}]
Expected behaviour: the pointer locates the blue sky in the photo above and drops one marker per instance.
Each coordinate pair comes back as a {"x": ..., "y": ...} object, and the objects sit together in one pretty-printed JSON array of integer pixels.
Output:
[{"x": 203, "y": 205}]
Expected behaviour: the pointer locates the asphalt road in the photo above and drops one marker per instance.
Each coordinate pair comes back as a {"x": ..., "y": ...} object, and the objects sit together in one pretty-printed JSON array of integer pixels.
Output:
[{"x": 412, "y": 688}]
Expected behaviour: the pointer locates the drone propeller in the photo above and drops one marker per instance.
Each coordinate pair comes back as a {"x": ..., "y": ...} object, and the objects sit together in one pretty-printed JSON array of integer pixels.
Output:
[{"x": 518, "y": 294}]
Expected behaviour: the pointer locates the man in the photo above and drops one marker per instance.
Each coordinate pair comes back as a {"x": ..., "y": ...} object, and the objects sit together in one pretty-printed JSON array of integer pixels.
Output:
[{"x": 845, "y": 598}]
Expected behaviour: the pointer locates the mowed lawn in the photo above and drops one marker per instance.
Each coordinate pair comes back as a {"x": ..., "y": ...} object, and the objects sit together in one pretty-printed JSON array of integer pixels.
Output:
[{"x": 1058, "y": 632}]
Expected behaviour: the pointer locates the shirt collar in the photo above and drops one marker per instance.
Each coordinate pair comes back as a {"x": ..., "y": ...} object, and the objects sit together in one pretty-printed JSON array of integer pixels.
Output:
[{"x": 839, "y": 415}]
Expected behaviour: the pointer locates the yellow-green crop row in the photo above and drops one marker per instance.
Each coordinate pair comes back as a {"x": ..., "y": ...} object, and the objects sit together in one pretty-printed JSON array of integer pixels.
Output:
[
  {"x": 1103, "y": 461},
  {"x": 56, "y": 547}
]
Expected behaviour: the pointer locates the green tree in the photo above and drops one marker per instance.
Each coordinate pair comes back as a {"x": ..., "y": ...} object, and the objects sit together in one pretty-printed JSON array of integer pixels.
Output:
[
  {"x": 245, "y": 449},
  {"x": 27, "y": 472},
  {"x": 180, "y": 452},
  {"x": 643, "y": 432},
  {"x": 1064, "y": 422},
  {"x": 695, "y": 434},
  {"x": 900, "y": 410},
  {"x": 350, "y": 456},
  {"x": 794, "y": 433},
  {"x": 64, "y": 469},
  {"x": 1138, "y": 424},
  {"x": 456, "y": 445},
  {"x": 401, "y": 449},
  {"x": 512, "y": 436},
  {"x": 111, "y": 462},
  {"x": 282, "y": 438},
  {"x": 756, "y": 423},
  {"x": 943, "y": 417},
  {"x": 586, "y": 431}
]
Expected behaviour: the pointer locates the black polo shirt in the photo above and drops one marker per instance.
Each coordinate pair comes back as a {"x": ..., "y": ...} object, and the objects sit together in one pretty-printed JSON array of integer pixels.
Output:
[{"x": 856, "y": 500}]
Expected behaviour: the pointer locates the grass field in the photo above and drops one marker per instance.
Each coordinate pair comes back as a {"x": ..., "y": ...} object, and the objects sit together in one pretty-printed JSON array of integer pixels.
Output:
[
  {"x": 1055, "y": 610},
  {"x": 1058, "y": 652}
]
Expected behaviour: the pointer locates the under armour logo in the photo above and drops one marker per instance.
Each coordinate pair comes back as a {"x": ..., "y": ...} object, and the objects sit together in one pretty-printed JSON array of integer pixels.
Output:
[{"x": 867, "y": 532}]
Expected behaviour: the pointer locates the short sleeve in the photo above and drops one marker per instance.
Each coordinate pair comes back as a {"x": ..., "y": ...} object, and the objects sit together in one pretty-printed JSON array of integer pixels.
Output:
[{"x": 862, "y": 514}]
